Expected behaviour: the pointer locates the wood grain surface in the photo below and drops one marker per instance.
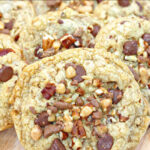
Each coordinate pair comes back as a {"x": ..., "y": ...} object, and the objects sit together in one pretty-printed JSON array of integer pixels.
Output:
[{"x": 9, "y": 141}]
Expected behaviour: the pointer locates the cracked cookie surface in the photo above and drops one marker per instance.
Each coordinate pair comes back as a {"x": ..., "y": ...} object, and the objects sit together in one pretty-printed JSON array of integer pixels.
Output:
[
  {"x": 79, "y": 99},
  {"x": 57, "y": 31},
  {"x": 10, "y": 68}
]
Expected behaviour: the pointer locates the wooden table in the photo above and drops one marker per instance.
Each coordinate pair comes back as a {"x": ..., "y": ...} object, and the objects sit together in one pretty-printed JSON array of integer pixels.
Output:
[{"x": 9, "y": 141}]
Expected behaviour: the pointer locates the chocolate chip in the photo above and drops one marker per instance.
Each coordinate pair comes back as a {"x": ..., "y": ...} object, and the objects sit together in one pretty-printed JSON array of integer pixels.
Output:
[
  {"x": 130, "y": 48},
  {"x": 136, "y": 76},
  {"x": 9, "y": 25},
  {"x": 80, "y": 71},
  {"x": 146, "y": 38},
  {"x": 67, "y": 41},
  {"x": 42, "y": 119},
  {"x": 49, "y": 91},
  {"x": 78, "y": 129},
  {"x": 105, "y": 143},
  {"x": 124, "y": 3},
  {"x": 99, "y": 1},
  {"x": 52, "y": 129},
  {"x": 5, "y": 51},
  {"x": 62, "y": 105},
  {"x": 37, "y": 53},
  {"x": 6, "y": 73},
  {"x": 139, "y": 5},
  {"x": 80, "y": 91},
  {"x": 117, "y": 95},
  {"x": 53, "y": 109},
  {"x": 97, "y": 115},
  {"x": 95, "y": 30},
  {"x": 53, "y": 3},
  {"x": 16, "y": 37},
  {"x": 60, "y": 21},
  {"x": 5, "y": 31},
  {"x": 32, "y": 109},
  {"x": 79, "y": 102},
  {"x": 57, "y": 145}
]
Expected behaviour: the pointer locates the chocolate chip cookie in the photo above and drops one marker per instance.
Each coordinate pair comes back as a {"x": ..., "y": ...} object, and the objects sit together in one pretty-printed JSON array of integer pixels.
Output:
[
  {"x": 129, "y": 39},
  {"x": 10, "y": 68},
  {"x": 56, "y": 32},
  {"x": 79, "y": 99},
  {"x": 108, "y": 10},
  {"x": 14, "y": 15}
]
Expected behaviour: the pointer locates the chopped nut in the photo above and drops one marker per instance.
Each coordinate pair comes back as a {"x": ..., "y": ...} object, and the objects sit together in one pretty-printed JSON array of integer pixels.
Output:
[
  {"x": 96, "y": 82},
  {"x": 77, "y": 143},
  {"x": 1, "y": 25},
  {"x": 100, "y": 130},
  {"x": 80, "y": 91},
  {"x": 67, "y": 40},
  {"x": 75, "y": 115},
  {"x": 47, "y": 42},
  {"x": 101, "y": 91},
  {"x": 56, "y": 45},
  {"x": 63, "y": 135},
  {"x": 106, "y": 104},
  {"x": 51, "y": 118},
  {"x": 79, "y": 102},
  {"x": 68, "y": 100},
  {"x": 70, "y": 72},
  {"x": 144, "y": 75},
  {"x": 78, "y": 129},
  {"x": 86, "y": 111},
  {"x": 52, "y": 129},
  {"x": 122, "y": 118},
  {"x": 68, "y": 127},
  {"x": 97, "y": 115},
  {"x": 60, "y": 88},
  {"x": 36, "y": 133}
]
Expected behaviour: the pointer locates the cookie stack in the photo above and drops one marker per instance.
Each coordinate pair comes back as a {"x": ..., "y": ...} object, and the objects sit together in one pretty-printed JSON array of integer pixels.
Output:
[{"x": 74, "y": 75}]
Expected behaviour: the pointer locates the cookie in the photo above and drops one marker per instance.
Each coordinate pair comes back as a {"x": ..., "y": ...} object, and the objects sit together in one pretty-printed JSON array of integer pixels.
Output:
[
  {"x": 10, "y": 69},
  {"x": 83, "y": 6},
  {"x": 128, "y": 38},
  {"x": 14, "y": 16},
  {"x": 79, "y": 99},
  {"x": 56, "y": 32},
  {"x": 112, "y": 9}
]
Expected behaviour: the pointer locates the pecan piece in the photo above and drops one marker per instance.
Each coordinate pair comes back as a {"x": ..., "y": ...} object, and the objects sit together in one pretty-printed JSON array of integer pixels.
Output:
[
  {"x": 57, "y": 145},
  {"x": 62, "y": 105},
  {"x": 49, "y": 91},
  {"x": 52, "y": 129}
]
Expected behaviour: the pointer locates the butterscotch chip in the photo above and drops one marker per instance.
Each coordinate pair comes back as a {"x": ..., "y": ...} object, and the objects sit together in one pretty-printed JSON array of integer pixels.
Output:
[{"x": 80, "y": 118}]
